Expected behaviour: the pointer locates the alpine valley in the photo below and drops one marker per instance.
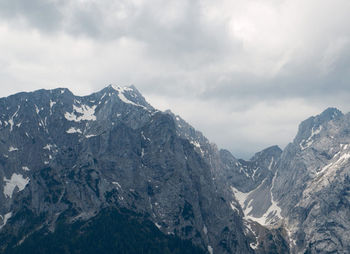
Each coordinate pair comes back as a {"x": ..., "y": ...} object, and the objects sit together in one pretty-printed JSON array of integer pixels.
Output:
[{"x": 108, "y": 173}]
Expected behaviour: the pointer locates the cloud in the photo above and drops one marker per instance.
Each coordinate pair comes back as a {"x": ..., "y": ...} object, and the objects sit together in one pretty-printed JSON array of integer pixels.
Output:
[
  {"x": 244, "y": 72},
  {"x": 44, "y": 15},
  {"x": 242, "y": 130}
]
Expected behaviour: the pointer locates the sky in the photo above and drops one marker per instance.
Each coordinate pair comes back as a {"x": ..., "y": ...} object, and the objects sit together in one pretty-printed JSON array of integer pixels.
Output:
[{"x": 244, "y": 72}]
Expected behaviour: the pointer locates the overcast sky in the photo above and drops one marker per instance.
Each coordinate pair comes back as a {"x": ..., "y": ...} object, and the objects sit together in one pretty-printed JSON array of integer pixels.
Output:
[{"x": 243, "y": 72}]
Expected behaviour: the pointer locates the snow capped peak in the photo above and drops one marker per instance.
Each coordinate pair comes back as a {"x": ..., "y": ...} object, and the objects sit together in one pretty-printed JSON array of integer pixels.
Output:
[
  {"x": 85, "y": 113},
  {"x": 122, "y": 89},
  {"x": 121, "y": 94},
  {"x": 129, "y": 95}
]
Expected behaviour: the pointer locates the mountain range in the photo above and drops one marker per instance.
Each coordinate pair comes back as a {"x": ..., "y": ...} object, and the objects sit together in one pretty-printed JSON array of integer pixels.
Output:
[{"x": 108, "y": 173}]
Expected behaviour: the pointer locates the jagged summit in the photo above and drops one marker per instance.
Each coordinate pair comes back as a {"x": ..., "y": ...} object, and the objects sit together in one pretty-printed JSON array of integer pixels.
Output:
[
  {"x": 127, "y": 94},
  {"x": 114, "y": 93},
  {"x": 270, "y": 151},
  {"x": 311, "y": 128},
  {"x": 330, "y": 113},
  {"x": 65, "y": 158}
]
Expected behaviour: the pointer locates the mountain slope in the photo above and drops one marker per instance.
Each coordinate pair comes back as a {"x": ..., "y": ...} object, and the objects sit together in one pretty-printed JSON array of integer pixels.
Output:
[
  {"x": 246, "y": 185},
  {"x": 301, "y": 194},
  {"x": 64, "y": 154},
  {"x": 305, "y": 195},
  {"x": 111, "y": 231},
  {"x": 98, "y": 165},
  {"x": 312, "y": 184}
]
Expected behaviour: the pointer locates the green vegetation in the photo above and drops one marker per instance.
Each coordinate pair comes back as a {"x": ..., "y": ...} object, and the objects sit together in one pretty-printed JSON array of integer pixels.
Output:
[{"x": 111, "y": 231}]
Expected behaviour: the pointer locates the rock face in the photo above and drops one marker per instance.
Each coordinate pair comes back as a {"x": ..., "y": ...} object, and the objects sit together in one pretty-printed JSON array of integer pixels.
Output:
[
  {"x": 300, "y": 196},
  {"x": 64, "y": 159},
  {"x": 312, "y": 184},
  {"x": 305, "y": 193},
  {"x": 246, "y": 185},
  {"x": 110, "y": 161}
]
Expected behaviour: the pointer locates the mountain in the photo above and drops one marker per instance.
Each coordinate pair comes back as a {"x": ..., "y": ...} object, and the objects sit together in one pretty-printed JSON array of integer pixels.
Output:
[
  {"x": 312, "y": 184},
  {"x": 254, "y": 176},
  {"x": 108, "y": 173},
  {"x": 65, "y": 159},
  {"x": 299, "y": 197},
  {"x": 306, "y": 193}
]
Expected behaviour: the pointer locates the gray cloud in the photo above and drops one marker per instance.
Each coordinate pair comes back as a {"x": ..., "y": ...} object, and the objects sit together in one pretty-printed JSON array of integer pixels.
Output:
[{"x": 44, "y": 15}]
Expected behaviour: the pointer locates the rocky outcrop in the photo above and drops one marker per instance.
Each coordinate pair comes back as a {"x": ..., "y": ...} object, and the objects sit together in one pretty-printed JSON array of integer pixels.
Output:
[
  {"x": 64, "y": 156},
  {"x": 70, "y": 161},
  {"x": 312, "y": 184}
]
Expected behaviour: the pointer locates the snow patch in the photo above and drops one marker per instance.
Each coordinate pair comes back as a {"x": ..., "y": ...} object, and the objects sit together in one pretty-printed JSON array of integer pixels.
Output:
[
  {"x": 271, "y": 163},
  {"x": 335, "y": 165},
  {"x": 10, "y": 121},
  {"x": 270, "y": 217},
  {"x": 47, "y": 147},
  {"x": 210, "y": 249},
  {"x": 73, "y": 130},
  {"x": 244, "y": 171},
  {"x": 240, "y": 196},
  {"x": 205, "y": 230},
  {"x": 195, "y": 143},
  {"x": 309, "y": 141},
  {"x": 118, "y": 185},
  {"x": 326, "y": 175},
  {"x": 254, "y": 246},
  {"x": 36, "y": 109},
  {"x": 90, "y": 136},
  {"x": 233, "y": 207},
  {"x": 273, "y": 215},
  {"x": 198, "y": 146},
  {"x": 143, "y": 136},
  {"x": 121, "y": 91},
  {"x": 52, "y": 103},
  {"x": 103, "y": 96},
  {"x": 25, "y": 168},
  {"x": 121, "y": 95},
  {"x": 158, "y": 226},
  {"x": 5, "y": 218},
  {"x": 16, "y": 180},
  {"x": 344, "y": 146},
  {"x": 85, "y": 113},
  {"x": 12, "y": 149}
]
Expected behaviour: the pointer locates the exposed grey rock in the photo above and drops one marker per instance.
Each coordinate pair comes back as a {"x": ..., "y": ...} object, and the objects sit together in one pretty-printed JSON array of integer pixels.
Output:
[
  {"x": 302, "y": 194},
  {"x": 312, "y": 184},
  {"x": 252, "y": 179},
  {"x": 64, "y": 154}
]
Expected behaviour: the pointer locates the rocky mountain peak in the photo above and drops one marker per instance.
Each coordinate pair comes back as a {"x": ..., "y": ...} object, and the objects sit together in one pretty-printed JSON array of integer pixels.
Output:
[
  {"x": 310, "y": 129},
  {"x": 127, "y": 94},
  {"x": 272, "y": 151},
  {"x": 64, "y": 158},
  {"x": 330, "y": 113}
]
